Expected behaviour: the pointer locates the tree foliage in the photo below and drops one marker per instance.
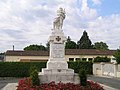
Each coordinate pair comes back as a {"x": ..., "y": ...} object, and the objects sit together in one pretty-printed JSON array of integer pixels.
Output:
[
  {"x": 70, "y": 44},
  {"x": 47, "y": 45},
  {"x": 2, "y": 53},
  {"x": 101, "y": 46},
  {"x": 84, "y": 42},
  {"x": 117, "y": 56},
  {"x": 35, "y": 47}
]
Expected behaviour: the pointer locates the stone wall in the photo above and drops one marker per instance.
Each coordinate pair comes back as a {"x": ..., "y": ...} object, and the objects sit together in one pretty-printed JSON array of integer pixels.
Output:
[
  {"x": 119, "y": 67},
  {"x": 106, "y": 69}
]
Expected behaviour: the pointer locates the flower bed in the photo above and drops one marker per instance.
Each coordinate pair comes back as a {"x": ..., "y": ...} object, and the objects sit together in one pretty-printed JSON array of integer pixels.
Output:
[{"x": 26, "y": 84}]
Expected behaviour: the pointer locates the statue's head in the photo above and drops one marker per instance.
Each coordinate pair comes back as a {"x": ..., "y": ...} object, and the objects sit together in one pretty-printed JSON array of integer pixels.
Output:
[{"x": 61, "y": 9}]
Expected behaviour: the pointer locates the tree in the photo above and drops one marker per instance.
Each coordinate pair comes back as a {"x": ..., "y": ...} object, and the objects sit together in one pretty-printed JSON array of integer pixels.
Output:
[
  {"x": 70, "y": 44},
  {"x": 35, "y": 47},
  {"x": 84, "y": 42},
  {"x": 47, "y": 45},
  {"x": 2, "y": 53},
  {"x": 101, "y": 46},
  {"x": 117, "y": 56},
  {"x": 2, "y": 56}
]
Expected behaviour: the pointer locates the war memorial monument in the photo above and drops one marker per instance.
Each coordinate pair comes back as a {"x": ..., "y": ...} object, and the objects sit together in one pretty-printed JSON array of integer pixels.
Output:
[{"x": 57, "y": 68}]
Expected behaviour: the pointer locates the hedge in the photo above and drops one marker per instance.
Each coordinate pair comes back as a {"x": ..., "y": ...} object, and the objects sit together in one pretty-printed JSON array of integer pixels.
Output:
[
  {"x": 102, "y": 59},
  {"x": 78, "y": 65},
  {"x": 18, "y": 69},
  {"x": 21, "y": 69}
]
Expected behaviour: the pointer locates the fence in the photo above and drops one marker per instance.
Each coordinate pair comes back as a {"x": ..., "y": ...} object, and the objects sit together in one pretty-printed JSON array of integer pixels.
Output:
[{"x": 107, "y": 69}]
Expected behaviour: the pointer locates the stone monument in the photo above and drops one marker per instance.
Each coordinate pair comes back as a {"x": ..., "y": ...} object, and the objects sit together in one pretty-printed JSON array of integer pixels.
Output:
[{"x": 57, "y": 67}]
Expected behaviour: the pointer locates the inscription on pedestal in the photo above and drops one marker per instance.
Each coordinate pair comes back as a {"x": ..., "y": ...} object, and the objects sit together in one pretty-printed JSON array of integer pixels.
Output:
[{"x": 58, "y": 50}]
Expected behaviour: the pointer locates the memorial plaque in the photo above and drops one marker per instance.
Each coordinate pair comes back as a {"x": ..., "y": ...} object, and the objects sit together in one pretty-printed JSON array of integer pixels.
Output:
[{"x": 58, "y": 51}]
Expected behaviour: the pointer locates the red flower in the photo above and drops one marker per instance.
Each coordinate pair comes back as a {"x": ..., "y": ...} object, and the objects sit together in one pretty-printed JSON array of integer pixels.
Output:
[{"x": 26, "y": 84}]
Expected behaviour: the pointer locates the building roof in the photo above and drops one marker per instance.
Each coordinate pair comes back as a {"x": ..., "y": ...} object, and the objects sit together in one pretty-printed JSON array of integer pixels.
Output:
[
  {"x": 89, "y": 52},
  {"x": 26, "y": 53},
  {"x": 67, "y": 52}
]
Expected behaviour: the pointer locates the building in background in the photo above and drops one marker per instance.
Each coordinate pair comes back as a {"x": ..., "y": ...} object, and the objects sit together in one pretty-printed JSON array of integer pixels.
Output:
[{"x": 70, "y": 55}]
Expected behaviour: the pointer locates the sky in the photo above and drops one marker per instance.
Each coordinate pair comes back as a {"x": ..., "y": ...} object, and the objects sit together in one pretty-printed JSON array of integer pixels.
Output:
[{"x": 26, "y": 22}]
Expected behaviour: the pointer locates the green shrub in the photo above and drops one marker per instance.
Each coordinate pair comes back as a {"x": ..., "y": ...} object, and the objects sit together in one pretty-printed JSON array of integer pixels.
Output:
[
  {"x": 21, "y": 69},
  {"x": 14, "y": 69},
  {"x": 117, "y": 56},
  {"x": 34, "y": 76},
  {"x": 101, "y": 59},
  {"x": 83, "y": 77},
  {"x": 78, "y": 65}
]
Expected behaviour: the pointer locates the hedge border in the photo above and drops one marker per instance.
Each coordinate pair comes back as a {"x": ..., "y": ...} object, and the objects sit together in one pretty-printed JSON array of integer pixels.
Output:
[{"x": 21, "y": 69}]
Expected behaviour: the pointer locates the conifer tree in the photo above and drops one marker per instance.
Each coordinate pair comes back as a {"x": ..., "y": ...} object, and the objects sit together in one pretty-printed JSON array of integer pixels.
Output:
[{"x": 84, "y": 42}]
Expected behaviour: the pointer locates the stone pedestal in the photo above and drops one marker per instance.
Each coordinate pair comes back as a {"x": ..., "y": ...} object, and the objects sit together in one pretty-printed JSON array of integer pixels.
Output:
[
  {"x": 57, "y": 67},
  {"x": 65, "y": 78}
]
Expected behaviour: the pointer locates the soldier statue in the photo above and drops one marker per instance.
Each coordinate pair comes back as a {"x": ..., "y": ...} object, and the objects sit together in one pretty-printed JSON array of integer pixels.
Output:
[{"x": 58, "y": 22}]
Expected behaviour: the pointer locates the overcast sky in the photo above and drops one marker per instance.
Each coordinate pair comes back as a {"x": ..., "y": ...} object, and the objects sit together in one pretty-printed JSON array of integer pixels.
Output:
[{"x": 25, "y": 22}]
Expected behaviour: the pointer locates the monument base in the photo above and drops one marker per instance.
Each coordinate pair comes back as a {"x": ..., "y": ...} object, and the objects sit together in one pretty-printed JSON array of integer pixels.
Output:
[
  {"x": 58, "y": 72},
  {"x": 59, "y": 64},
  {"x": 64, "y": 78}
]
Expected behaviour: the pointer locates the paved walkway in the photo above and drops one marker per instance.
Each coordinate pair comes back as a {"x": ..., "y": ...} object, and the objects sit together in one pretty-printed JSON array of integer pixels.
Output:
[
  {"x": 5, "y": 81},
  {"x": 109, "y": 81},
  {"x": 107, "y": 87},
  {"x": 10, "y": 86}
]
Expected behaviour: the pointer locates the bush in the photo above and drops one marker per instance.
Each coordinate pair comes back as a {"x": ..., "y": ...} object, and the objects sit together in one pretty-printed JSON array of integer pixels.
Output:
[
  {"x": 83, "y": 77},
  {"x": 34, "y": 76},
  {"x": 78, "y": 65},
  {"x": 21, "y": 69},
  {"x": 101, "y": 59},
  {"x": 117, "y": 56},
  {"x": 14, "y": 69}
]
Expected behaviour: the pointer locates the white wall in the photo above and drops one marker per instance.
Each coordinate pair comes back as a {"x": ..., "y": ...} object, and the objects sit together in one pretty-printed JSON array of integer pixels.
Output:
[
  {"x": 107, "y": 69},
  {"x": 18, "y": 58}
]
